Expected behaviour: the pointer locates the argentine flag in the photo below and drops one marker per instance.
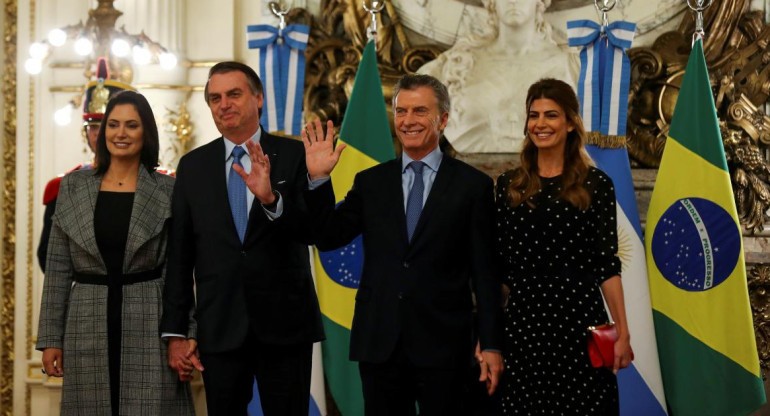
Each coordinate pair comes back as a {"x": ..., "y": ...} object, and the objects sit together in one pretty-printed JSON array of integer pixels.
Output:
[{"x": 603, "y": 93}]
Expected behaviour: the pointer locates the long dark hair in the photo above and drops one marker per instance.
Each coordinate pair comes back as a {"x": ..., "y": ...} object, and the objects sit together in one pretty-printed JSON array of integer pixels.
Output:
[
  {"x": 150, "y": 146},
  {"x": 526, "y": 181}
]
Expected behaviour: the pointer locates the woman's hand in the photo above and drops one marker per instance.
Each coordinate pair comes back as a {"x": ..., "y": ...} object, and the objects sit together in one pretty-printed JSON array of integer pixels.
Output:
[
  {"x": 623, "y": 353},
  {"x": 491, "y": 363},
  {"x": 52, "y": 362}
]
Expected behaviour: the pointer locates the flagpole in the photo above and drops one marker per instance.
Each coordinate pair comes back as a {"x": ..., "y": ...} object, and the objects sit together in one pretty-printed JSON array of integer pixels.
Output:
[
  {"x": 280, "y": 14},
  {"x": 698, "y": 8},
  {"x": 605, "y": 7},
  {"x": 373, "y": 7}
]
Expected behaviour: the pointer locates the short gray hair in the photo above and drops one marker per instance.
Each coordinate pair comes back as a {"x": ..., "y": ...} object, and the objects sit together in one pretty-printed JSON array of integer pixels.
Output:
[{"x": 411, "y": 82}]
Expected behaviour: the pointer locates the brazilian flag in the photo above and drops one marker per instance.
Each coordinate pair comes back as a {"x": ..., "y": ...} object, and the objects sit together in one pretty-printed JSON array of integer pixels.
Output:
[
  {"x": 366, "y": 131},
  {"x": 703, "y": 323}
]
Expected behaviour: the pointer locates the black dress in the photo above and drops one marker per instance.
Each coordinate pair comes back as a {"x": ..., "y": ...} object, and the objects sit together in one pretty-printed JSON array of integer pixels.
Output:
[
  {"x": 555, "y": 256},
  {"x": 112, "y": 217}
]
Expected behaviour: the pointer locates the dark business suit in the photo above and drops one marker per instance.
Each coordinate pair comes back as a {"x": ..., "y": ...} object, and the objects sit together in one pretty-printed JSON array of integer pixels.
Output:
[
  {"x": 251, "y": 296},
  {"x": 414, "y": 302}
]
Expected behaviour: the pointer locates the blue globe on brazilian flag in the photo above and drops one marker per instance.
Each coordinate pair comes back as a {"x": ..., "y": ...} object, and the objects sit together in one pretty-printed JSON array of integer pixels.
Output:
[{"x": 697, "y": 274}]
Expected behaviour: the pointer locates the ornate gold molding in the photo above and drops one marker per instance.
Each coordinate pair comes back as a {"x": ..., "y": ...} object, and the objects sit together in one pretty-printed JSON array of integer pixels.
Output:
[
  {"x": 7, "y": 318},
  {"x": 759, "y": 294},
  {"x": 747, "y": 116},
  {"x": 30, "y": 218},
  {"x": 337, "y": 39},
  {"x": 739, "y": 70},
  {"x": 181, "y": 127}
]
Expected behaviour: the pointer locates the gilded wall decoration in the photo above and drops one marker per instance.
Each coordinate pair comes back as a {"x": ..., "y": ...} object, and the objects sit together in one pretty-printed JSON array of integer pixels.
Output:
[
  {"x": 759, "y": 292},
  {"x": 7, "y": 317},
  {"x": 737, "y": 54},
  {"x": 178, "y": 123},
  {"x": 337, "y": 40},
  {"x": 31, "y": 161}
]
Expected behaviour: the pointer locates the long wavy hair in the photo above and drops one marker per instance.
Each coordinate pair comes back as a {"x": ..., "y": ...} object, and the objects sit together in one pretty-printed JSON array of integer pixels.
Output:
[{"x": 525, "y": 181}]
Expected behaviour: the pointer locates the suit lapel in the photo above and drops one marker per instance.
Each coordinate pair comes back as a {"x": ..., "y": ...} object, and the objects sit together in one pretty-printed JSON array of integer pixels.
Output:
[
  {"x": 88, "y": 194},
  {"x": 78, "y": 221},
  {"x": 437, "y": 191},
  {"x": 150, "y": 210}
]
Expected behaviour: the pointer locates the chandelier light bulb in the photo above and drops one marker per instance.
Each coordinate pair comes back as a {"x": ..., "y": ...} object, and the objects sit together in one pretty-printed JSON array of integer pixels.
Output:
[
  {"x": 120, "y": 47},
  {"x": 57, "y": 37},
  {"x": 33, "y": 66},
  {"x": 142, "y": 55},
  {"x": 38, "y": 51},
  {"x": 63, "y": 116},
  {"x": 83, "y": 46},
  {"x": 167, "y": 60}
]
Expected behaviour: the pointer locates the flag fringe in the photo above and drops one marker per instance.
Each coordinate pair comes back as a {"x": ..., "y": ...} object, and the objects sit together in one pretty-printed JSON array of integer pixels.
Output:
[{"x": 606, "y": 142}]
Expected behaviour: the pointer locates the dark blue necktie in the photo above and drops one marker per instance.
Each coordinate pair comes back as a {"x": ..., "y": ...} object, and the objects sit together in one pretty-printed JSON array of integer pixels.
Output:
[
  {"x": 414, "y": 201},
  {"x": 236, "y": 193}
]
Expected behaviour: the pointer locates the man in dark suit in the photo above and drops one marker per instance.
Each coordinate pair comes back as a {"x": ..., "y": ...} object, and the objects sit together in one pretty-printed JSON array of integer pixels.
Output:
[
  {"x": 237, "y": 232},
  {"x": 427, "y": 222}
]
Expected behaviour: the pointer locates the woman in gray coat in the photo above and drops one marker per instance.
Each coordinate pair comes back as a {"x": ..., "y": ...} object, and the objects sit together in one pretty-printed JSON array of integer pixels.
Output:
[{"x": 102, "y": 296}]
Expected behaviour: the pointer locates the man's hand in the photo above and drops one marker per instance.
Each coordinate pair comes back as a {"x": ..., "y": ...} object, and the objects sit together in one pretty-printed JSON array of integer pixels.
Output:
[
  {"x": 491, "y": 364},
  {"x": 258, "y": 179},
  {"x": 52, "y": 362},
  {"x": 320, "y": 154},
  {"x": 183, "y": 357}
]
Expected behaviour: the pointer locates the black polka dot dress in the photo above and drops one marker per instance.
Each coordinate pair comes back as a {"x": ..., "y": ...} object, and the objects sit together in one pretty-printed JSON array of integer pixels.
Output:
[{"x": 555, "y": 256}]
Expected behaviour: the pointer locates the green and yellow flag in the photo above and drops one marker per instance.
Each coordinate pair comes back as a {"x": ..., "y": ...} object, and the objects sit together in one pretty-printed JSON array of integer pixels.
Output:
[
  {"x": 366, "y": 131},
  {"x": 708, "y": 355}
]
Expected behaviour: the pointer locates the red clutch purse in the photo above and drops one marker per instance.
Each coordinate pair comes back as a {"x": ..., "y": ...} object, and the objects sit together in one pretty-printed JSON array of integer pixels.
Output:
[{"x": 601, "y": 345}]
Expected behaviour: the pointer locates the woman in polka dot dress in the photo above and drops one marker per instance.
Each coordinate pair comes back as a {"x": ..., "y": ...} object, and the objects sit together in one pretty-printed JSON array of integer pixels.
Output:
[{"x": 558, "y": 243}]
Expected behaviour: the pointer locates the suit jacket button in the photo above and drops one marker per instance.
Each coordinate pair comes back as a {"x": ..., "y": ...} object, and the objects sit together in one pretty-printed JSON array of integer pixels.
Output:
[
  {"x": 243, "y": 253},
  {"x": 406, "y": 264},
  {"x": 400, "y": 295}
]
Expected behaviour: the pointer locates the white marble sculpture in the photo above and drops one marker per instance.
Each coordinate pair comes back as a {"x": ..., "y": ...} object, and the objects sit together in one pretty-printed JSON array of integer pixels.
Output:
[{"x": 489, "y": 70}]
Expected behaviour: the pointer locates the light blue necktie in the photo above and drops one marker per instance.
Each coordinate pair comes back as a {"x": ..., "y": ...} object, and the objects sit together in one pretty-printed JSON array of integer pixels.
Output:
[
  {"x": 414, "y": 201},
  {"x": 236, "y": 193}
]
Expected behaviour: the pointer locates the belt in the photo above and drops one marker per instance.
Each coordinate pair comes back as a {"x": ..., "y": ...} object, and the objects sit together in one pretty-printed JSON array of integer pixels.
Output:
[{"x": 118, "y": 279}]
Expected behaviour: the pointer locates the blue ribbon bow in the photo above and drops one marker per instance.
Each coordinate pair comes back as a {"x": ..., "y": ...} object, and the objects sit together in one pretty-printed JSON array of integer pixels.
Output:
[
  {"x": 282, "y": 69},
  {"x": 605, "y": 72}
]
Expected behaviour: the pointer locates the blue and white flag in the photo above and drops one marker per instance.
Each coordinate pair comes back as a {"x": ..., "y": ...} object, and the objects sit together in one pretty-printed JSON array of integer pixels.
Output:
[
  {"x": 605, "y": 73},
  {"x": 281, "y": 56},
  {"x": 603, "y": 93}
]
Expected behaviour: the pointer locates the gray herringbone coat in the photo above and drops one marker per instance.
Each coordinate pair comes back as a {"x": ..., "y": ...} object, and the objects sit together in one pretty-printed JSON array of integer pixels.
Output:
[{"x": 74, "y": 317}]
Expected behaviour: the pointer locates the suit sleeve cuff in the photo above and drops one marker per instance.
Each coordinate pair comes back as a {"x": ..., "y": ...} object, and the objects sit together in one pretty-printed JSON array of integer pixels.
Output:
[
  {"x": 274, "y": 210},
  {"x": 313, "y": 184}
]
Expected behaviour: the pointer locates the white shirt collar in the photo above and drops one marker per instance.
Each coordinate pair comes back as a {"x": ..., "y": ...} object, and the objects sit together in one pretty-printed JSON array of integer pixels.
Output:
[
  {"x": 432, "y": 159},
  {"x": 229, "y": 145}
]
